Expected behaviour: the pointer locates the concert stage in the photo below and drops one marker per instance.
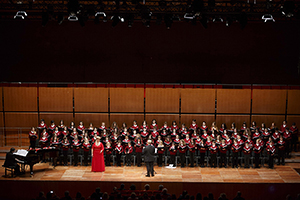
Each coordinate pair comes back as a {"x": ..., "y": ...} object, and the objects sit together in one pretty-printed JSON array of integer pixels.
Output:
[{"x": 253, "y": 183}]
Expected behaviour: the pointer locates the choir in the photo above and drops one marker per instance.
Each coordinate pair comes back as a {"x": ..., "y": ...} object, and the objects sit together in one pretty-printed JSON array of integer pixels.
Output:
[{"x": 188, "y": 146}]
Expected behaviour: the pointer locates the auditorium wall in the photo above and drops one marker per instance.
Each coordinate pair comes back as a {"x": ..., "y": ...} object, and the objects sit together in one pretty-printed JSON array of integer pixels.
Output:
[{"x": 24, "y": 105}]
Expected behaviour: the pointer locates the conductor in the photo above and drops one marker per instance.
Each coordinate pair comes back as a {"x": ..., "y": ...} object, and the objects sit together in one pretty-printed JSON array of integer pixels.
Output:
[
  {"x": 149, "y": 151},
  {"x": 10, "y": 161}
]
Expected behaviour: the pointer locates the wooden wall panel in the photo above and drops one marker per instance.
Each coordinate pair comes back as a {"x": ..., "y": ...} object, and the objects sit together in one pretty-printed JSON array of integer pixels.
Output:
[
  {"x": 20, "y": 98},
  {"x": 162, "y": 100},
  {"x": 94, "y": 118},
  {"x": 269, "y": 101},
  {"x": 21, "y": 119},
  {"x": 161, "y": 118},
  {"x": 1, "y": 106},
  {"x": 127, "y": 99},
  {"x": 293, "y": 106},
  {"x": 48, "y": 117},
  {"x": 91, "y": 99},
  {"x": 1, "y": 119},
  {"x": 198, "y": 100},
  {"x": 56, "y": 99},
  {"x": 127, "y": 118},
  {"x": 187, "y": 119},
  {"x": 291, "y": 119},
  {"x": 268, "y": 119},
  {"x": 233, "y": 100},
  {"x": 237, "y": 119}
]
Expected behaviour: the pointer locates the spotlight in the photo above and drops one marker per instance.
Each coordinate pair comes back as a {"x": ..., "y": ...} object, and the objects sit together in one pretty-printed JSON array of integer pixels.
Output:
[
  {"x": 20, "y": 15},
  {"x": 189, "y": 16},
  {"x": 217, "y": 19},
  {"x": 98, "y": 15},
  {"x": 72, "y": 17},
  {"x": 228, "y": 21},
  {"x": 116, "y": 19},
  {"x": 267, "y": 17},
  {"x": 288, "y": 8}
]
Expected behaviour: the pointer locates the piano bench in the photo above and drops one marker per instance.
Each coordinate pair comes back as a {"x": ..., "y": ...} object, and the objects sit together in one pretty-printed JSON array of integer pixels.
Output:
[{"x": 10, "y": 169}]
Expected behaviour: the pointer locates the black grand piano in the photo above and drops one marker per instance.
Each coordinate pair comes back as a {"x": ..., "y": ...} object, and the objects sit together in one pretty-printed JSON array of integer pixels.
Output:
[{"x": 31, "y": 157}]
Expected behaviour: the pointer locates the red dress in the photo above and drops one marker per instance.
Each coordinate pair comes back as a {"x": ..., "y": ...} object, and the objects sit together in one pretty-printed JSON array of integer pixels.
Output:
[{"x": 98, "y": 158}]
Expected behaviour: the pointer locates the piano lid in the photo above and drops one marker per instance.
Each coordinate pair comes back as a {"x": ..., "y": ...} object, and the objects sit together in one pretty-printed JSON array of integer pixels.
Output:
[{"x": 21, "y": 152}]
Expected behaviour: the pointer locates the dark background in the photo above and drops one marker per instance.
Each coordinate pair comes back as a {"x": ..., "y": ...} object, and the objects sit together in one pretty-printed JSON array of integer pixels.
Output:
[{"x": 262, "y": 53}]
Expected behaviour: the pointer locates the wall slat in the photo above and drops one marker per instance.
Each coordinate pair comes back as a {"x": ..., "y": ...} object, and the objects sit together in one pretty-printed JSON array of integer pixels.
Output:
[
  {"x": 127, "y": 99},
  {"x": 21, "y": 119},
  {"x": 20, "y": 98},
  {"x": 91, "y": 99},
  {"x": 56, "y": 99},
  {"x": 293, "y": 102},
  {"x": 233, "y": 100},
  {"x": 197, "y": 100},
  {"x": 162, "y": 100}
]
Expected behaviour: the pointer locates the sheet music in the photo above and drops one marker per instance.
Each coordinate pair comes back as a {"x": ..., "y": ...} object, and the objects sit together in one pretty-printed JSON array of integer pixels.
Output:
[
  {"x": 21, "y": 152},
  {"x": 155, "y": 150}
]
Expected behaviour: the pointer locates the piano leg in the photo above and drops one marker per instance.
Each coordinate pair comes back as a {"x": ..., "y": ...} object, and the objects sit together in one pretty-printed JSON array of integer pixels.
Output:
[
  {"x": 23, "y": 168},
  {"x": 31, "y": 169}
]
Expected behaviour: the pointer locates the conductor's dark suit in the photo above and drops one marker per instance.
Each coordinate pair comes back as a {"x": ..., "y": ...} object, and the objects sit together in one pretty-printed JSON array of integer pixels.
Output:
[{"x": 149, "y": 158}]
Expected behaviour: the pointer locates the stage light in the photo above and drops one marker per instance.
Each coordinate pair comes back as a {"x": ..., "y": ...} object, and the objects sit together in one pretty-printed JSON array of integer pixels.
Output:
[
  {"x": 267, "y": 17},
  {"x": 189, "y": 16},
  {"x": 217, "y": 19},
  {"x": 228, "y": 21},
  {"x": 116, "y": 19},
  {"x": 98, "y": 15},
  {"x": 72, "y": 17},
  {"x": 20, "y": 15},
  {"x": 288, "y": 8}
]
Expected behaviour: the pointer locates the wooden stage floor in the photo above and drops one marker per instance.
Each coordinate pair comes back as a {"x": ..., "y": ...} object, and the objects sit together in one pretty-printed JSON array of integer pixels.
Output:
[
  {"x": 280, "y": 174},
  {"x": 254, "y": 183}
]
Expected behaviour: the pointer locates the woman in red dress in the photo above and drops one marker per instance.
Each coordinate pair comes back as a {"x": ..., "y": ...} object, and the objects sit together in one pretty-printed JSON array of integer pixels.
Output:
[{"x": 98, "y": 158}]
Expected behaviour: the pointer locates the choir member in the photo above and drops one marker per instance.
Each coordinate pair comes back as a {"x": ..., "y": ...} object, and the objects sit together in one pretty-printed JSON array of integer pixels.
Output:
[
  {"x": 213, "y": 135},
  {"x": 256, "y": 134},
  {"x": 153, "y": 124},
  {"x": 133, "y": 135},
  {"x": 80, "y": 128},
  {"x": 247, "y": 153},
  {"x": 281, "y": 151},
  {"x": 73, "y": 133},
  {"x": 114, "y": 139},
  {"x": 177, "y": 140},
  {"x": 138, "y": 150},
  {"x": 294, "y": 140},
  {"x": 43, "y": 143},
  {"x": 65, "y": 147},
  {"x": 224, "y": 134},
  {"x": 265, "y": 135},
  {"x": 257, "y": 150},
  {"x": 86, "y": 150},
  {"x": 173, "y": 152},
  {"x": 182, "y": 150},
  {"x": 213, "y": 149},
  {"x": 187, "y": 139},
  {"x": 262, "y": 128},
  {"x": 271, "y": 151},
  {"x": 114, "y": 127},
  {"x": 250, "y": 141},
  {"x": 102, "y": 127},
  {"x": 272, "y": 128},
  {"x": 275, "y": 136},
  {"x": 174, "y": 126},
  {"x": 202, "y": 149},
  {"x": 194, "y": 135},
  {"x": 165, "y": 127},
  {"x": 253, "y": 127},
  {"x": 158, "y": 141},
  {"x": 244, "y": 126},
  {"x": 144, "y": 134},
  {"x": 183, "y": 127},
  {"x": 61, "y": 125},
  {"x": 287, "y": 136},
  {"x": 51, "y": 128},
  {"x": 164, "y": 134},
  {"x": 56, "y": 132},
  {"x": 134, "y": 127},
  {"x": 203, "y": 127},
  {"x": 76, "y": 146},
  {"x": 56, "y": 144},
  {"x": 185, "y": 132},
  {"x": 218, "y": 141},
  {"x": 234, "y": 134},
  {"x": 90, "y": 129},
  {"x": 235, "y": 148},
  {"x": 204, "y": 136},
  {"x": 64, "y": 133},
  {"x": 32, "y": 137},
  {"x": 154, "y": 133},
  {"x": 232, "y": 128},
  {"x": 144, "y": 126},
  {"x": 197, "y": 143},
  {"x": 128, "y": 152},
  {"x": 246, "y": 133},
  {"x": 94, "y": 132},
  {"x": 125, "y": 142},
  {"x": 193, "y": 126},
  {"x": 160, "y": 152},
  {"x": 71, "y": 127},
  {"x": 119, "y": 150},
  {"x": 41, "y": 127},
  {"x": 108, "y": 151},
  {"x": 214, "y": 127},
  {"x": 223, "y": 151},
  {"x": 167, "y": 143},
  {"x": 192, "y": 149},
  {"x": 223, "y": 127},
  {"x": 283, "y": 126}
]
